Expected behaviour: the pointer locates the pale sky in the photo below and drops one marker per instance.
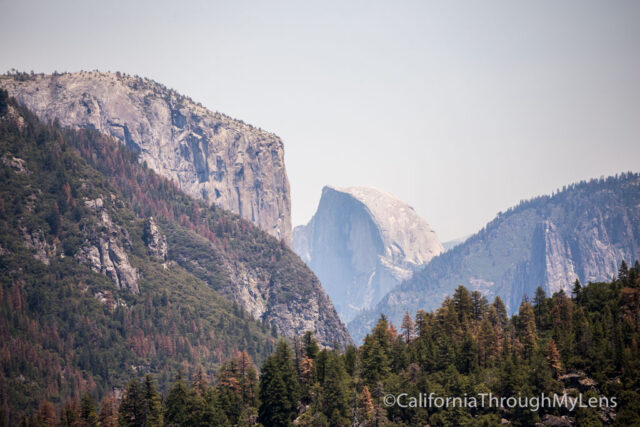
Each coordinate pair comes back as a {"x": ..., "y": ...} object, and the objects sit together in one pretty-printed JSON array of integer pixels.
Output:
[{"x": 461, "y": 109}]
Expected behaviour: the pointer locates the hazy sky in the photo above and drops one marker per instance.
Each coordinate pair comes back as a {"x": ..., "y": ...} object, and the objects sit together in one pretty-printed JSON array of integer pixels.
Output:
[{"x": 460, "y": 109}]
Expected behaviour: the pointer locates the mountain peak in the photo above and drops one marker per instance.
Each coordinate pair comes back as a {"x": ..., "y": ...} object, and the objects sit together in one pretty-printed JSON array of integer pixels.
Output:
[
  {"x": 361, "y": 242},
  {"x": 407, "y": 236}
]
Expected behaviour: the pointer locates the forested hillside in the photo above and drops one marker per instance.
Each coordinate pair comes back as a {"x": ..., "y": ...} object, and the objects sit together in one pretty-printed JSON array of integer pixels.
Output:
[
  {"x": 582, "y": 348},
  {"x": 93, "y": 290}
]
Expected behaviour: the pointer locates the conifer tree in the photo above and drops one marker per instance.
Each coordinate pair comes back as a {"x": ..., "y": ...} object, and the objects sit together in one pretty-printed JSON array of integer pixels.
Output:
[
  {"x": 479, "y": 304},
  {"x": 463, "y": 305},
  {"x": 46, "y": 414},
  {"x": 275, "y": 407},
  {"x": 335, "y": 399},
  {"x": 367, "y": 411},
  {"x": 553, "y": 357},
  {"x": 310, "y": 345},
  {"x": 577, "y": 289},
  {"x": 176, "y": 405},
  {"x": 153, "y": 411},
  {"x": 278, "y": 388},
  {"x": 527, "y": 329},
  {"x": 108, "y": 416},
  {"x": 501, "y": 311},
  {"x": 407, "y": 327},
  {"x": 131, "y": 412},
  {"x": 88, "y": 414}
]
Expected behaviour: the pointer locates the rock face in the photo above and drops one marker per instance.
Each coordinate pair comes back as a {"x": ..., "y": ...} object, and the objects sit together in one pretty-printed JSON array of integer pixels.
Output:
[
  {"x": 361, "y": 243},
  {"x": 155, "y": 240},
  {"x": 104, "y": 251},
  {"x": 583, "y": 232},
  {"x": 209, "y": 155}
]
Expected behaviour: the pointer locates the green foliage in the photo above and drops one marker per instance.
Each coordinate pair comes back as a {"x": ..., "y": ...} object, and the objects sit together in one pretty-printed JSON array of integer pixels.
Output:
[
  {"x": 278, "y": 388},
  {"x": 65, "y": 329}
]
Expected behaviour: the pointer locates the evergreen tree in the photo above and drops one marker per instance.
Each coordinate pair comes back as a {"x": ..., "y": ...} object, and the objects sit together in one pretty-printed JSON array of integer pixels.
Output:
[
  {"x": 278, "y": 388},
  {"x": 479, "y": 304},
  {"x": 177, "y": 402},
  {"x": 553, "y": 357},
  {"x": 46, "y": 414},
  {"x": 501, "y": 311},
  {"x": 577, "y": 289},
  {"x": 131, "y": 412},
  {"x": 310, "y": 345},
  {"x": 335, "y": 399},
  {"x": 108, "y": 416},
  {"x": 275, "y": 407},
  {"x": 407, "y": 327},
  {"x": 527, "y": 329},
  {"x": 88, "y": 413},
  {"x": 153, "y": 411},
  {"x": 463, "y": 304},
  {"x": 366, "y": 410}
]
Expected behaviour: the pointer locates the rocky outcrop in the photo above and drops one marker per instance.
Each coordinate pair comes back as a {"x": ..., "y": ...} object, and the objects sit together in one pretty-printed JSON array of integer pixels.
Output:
[
  {"x": 361, "y": 243},
  {"x": 282, "y": 293},
  {"x": 156, "y": 241},
  {"x": 37, "y": 243},
  {"x": 104, "y": 251},
  {"x": 211, "y": 156},
  {"x": 583, "y": 232}
]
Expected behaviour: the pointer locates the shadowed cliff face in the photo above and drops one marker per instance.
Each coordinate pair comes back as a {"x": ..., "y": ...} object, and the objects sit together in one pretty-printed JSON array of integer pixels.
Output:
[
  {"x": 361, "y": 243},
  {"x": 209, "y": 155},
  {"x": 583, "y": 233}
]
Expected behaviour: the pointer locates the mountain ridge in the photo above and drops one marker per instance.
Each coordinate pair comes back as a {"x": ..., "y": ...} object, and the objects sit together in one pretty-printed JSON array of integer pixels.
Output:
[
  {"x": 105, "y": 270},
  {"x": 582, "y": 232},
  {"x": 210, "y": 156}
]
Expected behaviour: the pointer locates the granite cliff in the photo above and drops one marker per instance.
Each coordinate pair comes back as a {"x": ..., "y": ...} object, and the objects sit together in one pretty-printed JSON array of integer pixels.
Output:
[
  {"x": 362, "y": 242},
  {"x": 582, "y": 232},
  {"x": 209, "y": 155}
]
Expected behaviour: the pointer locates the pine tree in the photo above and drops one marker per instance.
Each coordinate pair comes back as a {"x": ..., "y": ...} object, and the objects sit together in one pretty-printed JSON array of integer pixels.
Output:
[
  {"x": 70, "y": 414},
  {"x": 553, "y": 357},
  {"x": 527, "y": 329},
  {"x": 479, "y": 304},
  {"x": 153, "y": 411},
  {"x": 131, "y": 412},
  {"x": 577, "y": 289},
  {"x": 375, "y": 360},
  {"x": 623, "y": 273},
  {"x": 335, "y": 401},
  {"x": 275, "y": 407},
  {"x": 46, "y": 414},
  {"x": 176, "y": 405},
  {"x": 212, "y": 414},
  {"x": 310, "y": 345},
  {"x": 88, "y": 413},
  {"x": 407, "y": 327},
  {"x": 278, "y": 388},
  {"x": 108, "y": 416},
  {"x": 540, "y": 307},
  {"x": 501, "y": 311},
  {"x": 463, "y": 305},
  {"x": 367, "y": 412}
]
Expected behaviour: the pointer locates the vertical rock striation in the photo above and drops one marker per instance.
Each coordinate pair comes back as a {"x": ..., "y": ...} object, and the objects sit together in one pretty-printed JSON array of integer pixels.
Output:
[
  {"x": 209, "y": 155},
  {"x": 361, "y": 243}
]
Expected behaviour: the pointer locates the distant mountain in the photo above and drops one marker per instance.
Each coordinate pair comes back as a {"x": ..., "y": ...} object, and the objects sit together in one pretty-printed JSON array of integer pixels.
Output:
[
  {"x": 582, "y": 232},
  {"x": 108, "y": 270},
  {"x": 455, "y": 242},
  {"x": 209, "y": 155},
  {"x": 362, "y": 242}
]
